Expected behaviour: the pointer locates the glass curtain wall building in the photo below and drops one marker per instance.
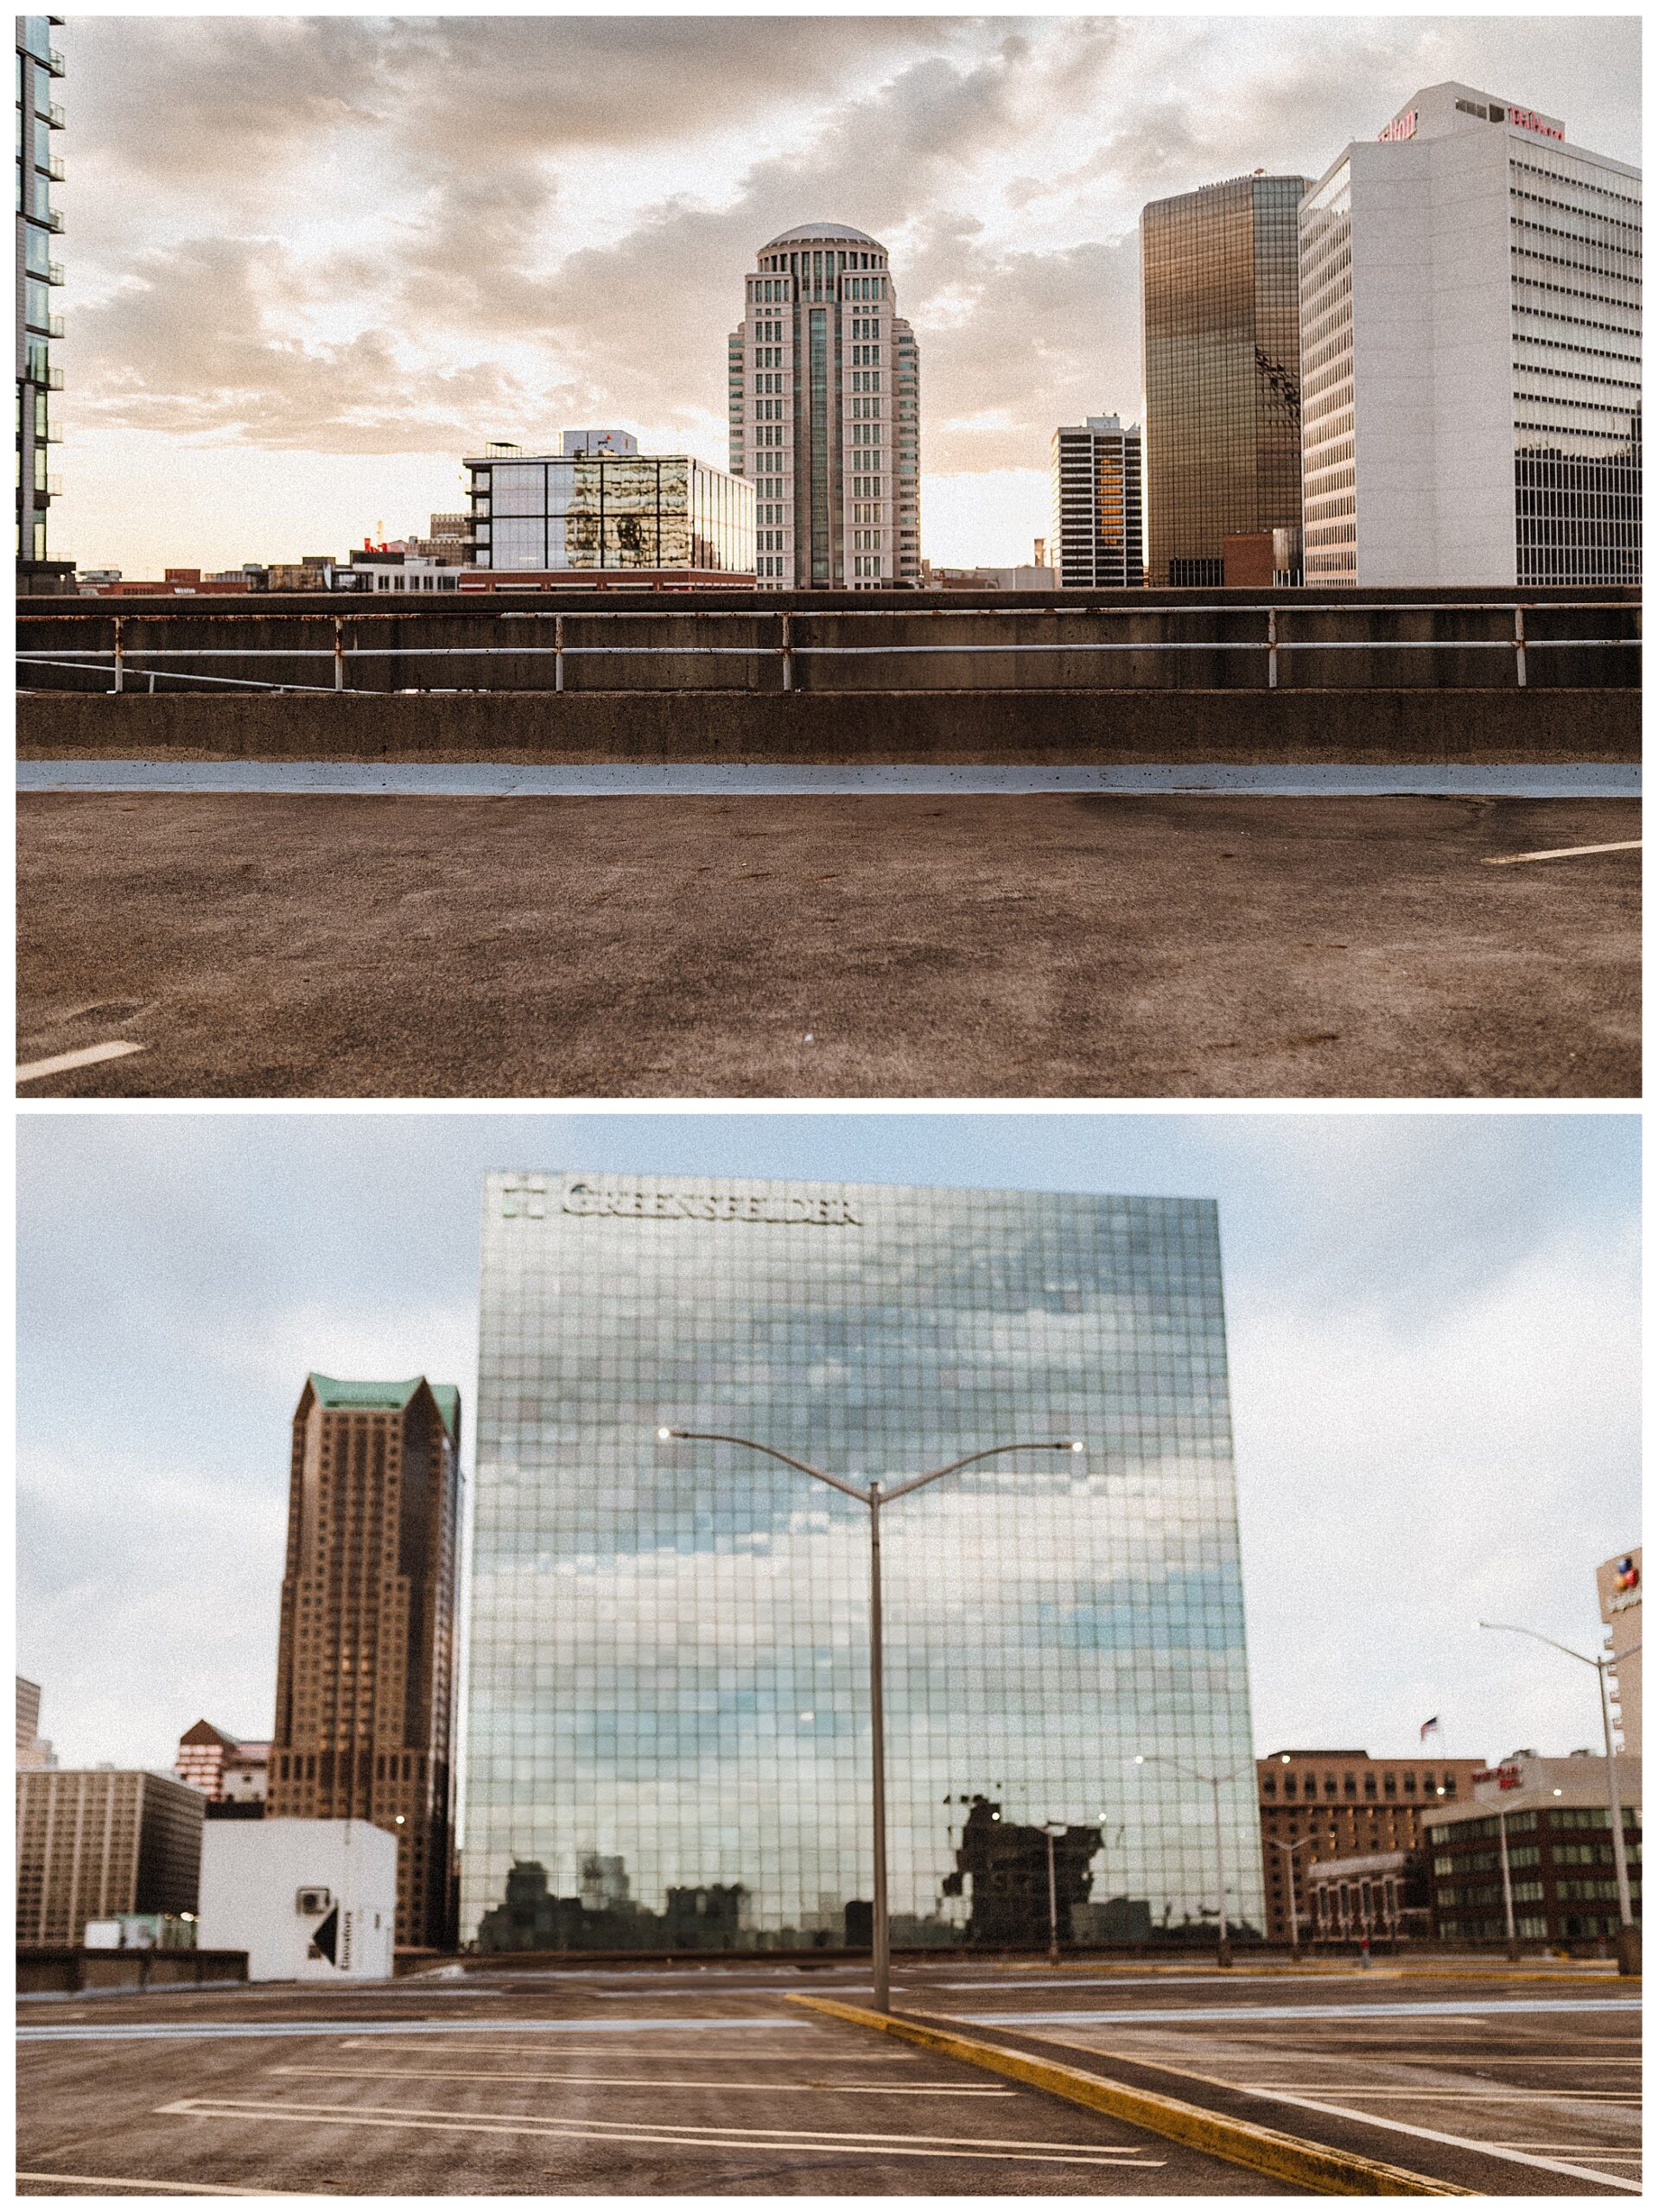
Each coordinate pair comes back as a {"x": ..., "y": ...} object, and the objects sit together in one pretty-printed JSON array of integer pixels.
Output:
[
  {"x": 596, "y": 510},
  {"x": 668, "y": 1721},
  {"x": 1472, "y": 402},
  {"x": 39, "y": 274},
  {"x": 1223, "y": 375},
  {"x": 824, "y": 395}
]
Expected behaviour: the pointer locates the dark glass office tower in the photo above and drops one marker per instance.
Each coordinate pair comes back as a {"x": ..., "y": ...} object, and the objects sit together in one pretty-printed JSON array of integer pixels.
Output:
[
  {"x": 669, "y": 1737},
  {"x": 1221, "y": 324}
]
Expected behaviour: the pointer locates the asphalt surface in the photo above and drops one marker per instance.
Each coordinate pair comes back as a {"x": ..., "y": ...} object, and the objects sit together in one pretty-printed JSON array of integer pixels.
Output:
[
  {"x": 555, "y": 2085},
  {"x": 1524, "y": 2085},
  {"x": 1049, "y": 945}
]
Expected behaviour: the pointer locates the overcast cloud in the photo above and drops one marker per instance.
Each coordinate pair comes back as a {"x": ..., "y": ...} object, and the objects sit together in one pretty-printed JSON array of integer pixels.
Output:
[
  {"x": 313, "y": 260},
  {"x": 1435, "y": 1352}
]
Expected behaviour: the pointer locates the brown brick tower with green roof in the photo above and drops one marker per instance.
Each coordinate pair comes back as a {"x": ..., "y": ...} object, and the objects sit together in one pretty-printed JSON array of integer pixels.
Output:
[{"x": 365, "y": 1665}]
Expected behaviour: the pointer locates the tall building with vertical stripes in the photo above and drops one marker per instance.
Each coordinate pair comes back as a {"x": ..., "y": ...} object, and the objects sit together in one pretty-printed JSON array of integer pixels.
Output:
[
  {"x": 365, "y": 1667},
  {"x": 823, "y": 394},
  {"x": 1471, "y": 353},
  {"x": 1096, "y": 539},
  {"x": 38, "y": 275}
]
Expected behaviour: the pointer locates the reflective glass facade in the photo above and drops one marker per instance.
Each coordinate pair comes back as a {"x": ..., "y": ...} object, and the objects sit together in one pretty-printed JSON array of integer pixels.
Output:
[
  {"x": 668, "y": 1736},
  {"x": 610, "y": 510},
  {"x": 40, "y": 272},
  {"x": 1220, "y": 334}
]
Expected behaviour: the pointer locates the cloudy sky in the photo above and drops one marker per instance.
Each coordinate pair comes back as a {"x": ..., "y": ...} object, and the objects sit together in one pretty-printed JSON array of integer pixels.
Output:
[
  {"x": 313, "y": 260},
  {"x": 1434, "y": 1337}
]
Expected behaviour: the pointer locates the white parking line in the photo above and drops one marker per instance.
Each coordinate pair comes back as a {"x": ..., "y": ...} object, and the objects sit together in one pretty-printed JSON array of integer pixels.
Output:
[
  {"x": 620, "y": 2080},
  {"x": 796, "y": 2055},
  {"x": 1457, "y": 2142},
  {"x": 166, "y": 2188},
  {"x": 1566, "y": 853},
  {"x": 61, "y": 1062},
  {"x": 1501, "y": 2096},
  {"x": 684, "y": 2138}
]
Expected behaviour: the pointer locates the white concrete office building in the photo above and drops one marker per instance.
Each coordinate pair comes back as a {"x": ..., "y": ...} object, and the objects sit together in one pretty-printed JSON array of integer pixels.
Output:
[
  {"x": 1471, "y": 353},
  {"x": 824, "y": 392},
  {"x": 1095, "y": 536}
]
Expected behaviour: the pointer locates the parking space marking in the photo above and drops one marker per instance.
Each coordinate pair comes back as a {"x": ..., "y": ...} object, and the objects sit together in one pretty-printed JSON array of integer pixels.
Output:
[
  {"x": 683, "y": 2138},
  {"x": 148, "y": 2030},
  {"x": 794, "y": 2057},
  {"x": 626, "y": 2081},
  {"x": 166, "y": 2188},
  {"x": 1513, "y": 2096},
  {"x": 89, "y": 1056},
  {"x": 1566, "y": 853},
  {"x": 1458, "y": 2142},
  {"x": 1460, "y": 2010}
]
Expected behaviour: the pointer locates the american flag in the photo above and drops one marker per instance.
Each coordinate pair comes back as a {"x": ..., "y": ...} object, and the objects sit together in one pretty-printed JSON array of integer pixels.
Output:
[{"x": 1429, "y": 1728}]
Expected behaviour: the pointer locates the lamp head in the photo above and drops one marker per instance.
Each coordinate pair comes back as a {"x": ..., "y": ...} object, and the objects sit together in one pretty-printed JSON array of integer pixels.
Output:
[{"x": 663, "y": 1435}]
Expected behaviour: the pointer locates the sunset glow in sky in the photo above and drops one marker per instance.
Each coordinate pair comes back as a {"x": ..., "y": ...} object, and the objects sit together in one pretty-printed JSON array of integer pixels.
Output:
[{"x": 313, "y": 260}]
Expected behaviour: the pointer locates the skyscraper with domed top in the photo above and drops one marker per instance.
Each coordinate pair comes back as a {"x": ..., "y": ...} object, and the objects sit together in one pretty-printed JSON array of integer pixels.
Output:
[{"x": 824, "y": 404}]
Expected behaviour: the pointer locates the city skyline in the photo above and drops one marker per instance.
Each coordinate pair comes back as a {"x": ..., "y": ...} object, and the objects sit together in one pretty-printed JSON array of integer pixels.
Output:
[
  {"x": 1451, "y": 1297},
  {"x": 508, "y": 246}
]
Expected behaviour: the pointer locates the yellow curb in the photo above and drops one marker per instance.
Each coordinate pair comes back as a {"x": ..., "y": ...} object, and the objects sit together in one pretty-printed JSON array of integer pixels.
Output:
[{"x": 1287, "y": 2158}]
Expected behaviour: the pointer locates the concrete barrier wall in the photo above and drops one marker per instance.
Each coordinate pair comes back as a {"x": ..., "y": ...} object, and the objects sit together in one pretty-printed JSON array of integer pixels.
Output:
[
  {"x": 1019, "y": 727},
  {"x": 42, "y": 1968},
  {"x": 1215, "y": 642}
]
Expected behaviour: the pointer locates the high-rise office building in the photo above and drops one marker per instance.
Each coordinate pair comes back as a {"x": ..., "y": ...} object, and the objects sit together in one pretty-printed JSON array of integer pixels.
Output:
[
  {"x": 824, "y": 398},
  {"x": 1618, "y": 1585},
  {"x": 365, "y": 1666},
  {"x": 1470, "y": 346},
  {"x": 1222, "y": 354},
  {"x": 1094, "y": 479},
  {"x": 93, "y": 1843},
  {"x": 33, "y": 1749},
  {"x": 39, "y": 273},
  {"x": 599, "y": 504},
  {"x": 669, "y": 1737}
]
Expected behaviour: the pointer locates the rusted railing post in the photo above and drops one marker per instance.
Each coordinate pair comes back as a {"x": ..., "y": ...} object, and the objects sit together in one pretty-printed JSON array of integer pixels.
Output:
[
  {"x": 120, "y": 660},
  {"x": 558, "y": 652},
  {"x": 788, "y": 652},
  {"x": 339, "y": 654},
  {"x": 1272, "y": 649},
  {"x": 1520, "y": 646}
]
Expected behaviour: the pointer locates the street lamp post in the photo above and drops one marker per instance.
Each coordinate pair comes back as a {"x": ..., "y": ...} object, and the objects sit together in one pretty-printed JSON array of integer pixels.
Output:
[
  {"x": 1508, "y": 1884},
  {"x": 1629, "y": 1936},
  {"x": 1289, "y": 1851},
  {"x": 1051, "y": 1828},
  {"x": 1224, "y": 1952},
  {"x": 873, "y": 1497}
]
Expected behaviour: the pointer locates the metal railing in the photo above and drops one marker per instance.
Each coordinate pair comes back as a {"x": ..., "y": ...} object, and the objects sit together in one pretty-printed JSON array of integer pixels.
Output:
[{"x": 787, "y": 648}]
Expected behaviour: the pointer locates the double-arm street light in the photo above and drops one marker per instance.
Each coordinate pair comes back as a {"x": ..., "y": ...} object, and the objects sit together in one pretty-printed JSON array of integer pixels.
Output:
[
  {"x": 1289, "y": 1851},
  {"x": 1628, "y": 1937},
  {"x": 1224, "y": 1952},
  {"x": 873, "y": 1497}
]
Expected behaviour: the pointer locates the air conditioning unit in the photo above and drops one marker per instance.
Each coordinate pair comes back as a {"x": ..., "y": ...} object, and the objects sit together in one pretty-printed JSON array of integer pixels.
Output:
[{"x": 313, "y": 1901}]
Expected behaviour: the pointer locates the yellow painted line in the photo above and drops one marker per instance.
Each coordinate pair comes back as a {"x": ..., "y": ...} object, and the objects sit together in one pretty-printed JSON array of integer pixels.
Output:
[
  {"x": 616, "y": 2081},
  {"x": 1287, "y": 2158},
  {"x": 166, "y": 2188},
  {"x": 684, "y": 2138},
  {"x": 63, "y": 1063},
  {"x": 1566, "y": 853}
]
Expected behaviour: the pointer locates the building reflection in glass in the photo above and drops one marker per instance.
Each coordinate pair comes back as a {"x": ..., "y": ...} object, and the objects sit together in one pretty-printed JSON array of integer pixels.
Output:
[
  {"x": 668, "y": 1741},
  {"x": 1221, "y": 327}
]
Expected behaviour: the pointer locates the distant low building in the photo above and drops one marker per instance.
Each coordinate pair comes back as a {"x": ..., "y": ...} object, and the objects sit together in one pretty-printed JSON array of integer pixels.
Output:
[
  {"x": 99, "y": 1843},
  {"x": 1381, "y": 1896},
  {"x": 230, "y": 1772},
  {"x": 1029, "y": 578},
  {"x": 1342, "y": 1805},
  {"x": 625, "y": 515},
  {"x": 1555, "y": 1818}
]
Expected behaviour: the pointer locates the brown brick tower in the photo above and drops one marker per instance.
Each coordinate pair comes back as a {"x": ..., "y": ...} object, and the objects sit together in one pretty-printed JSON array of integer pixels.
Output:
[{"x": 366, "y": 1661}]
